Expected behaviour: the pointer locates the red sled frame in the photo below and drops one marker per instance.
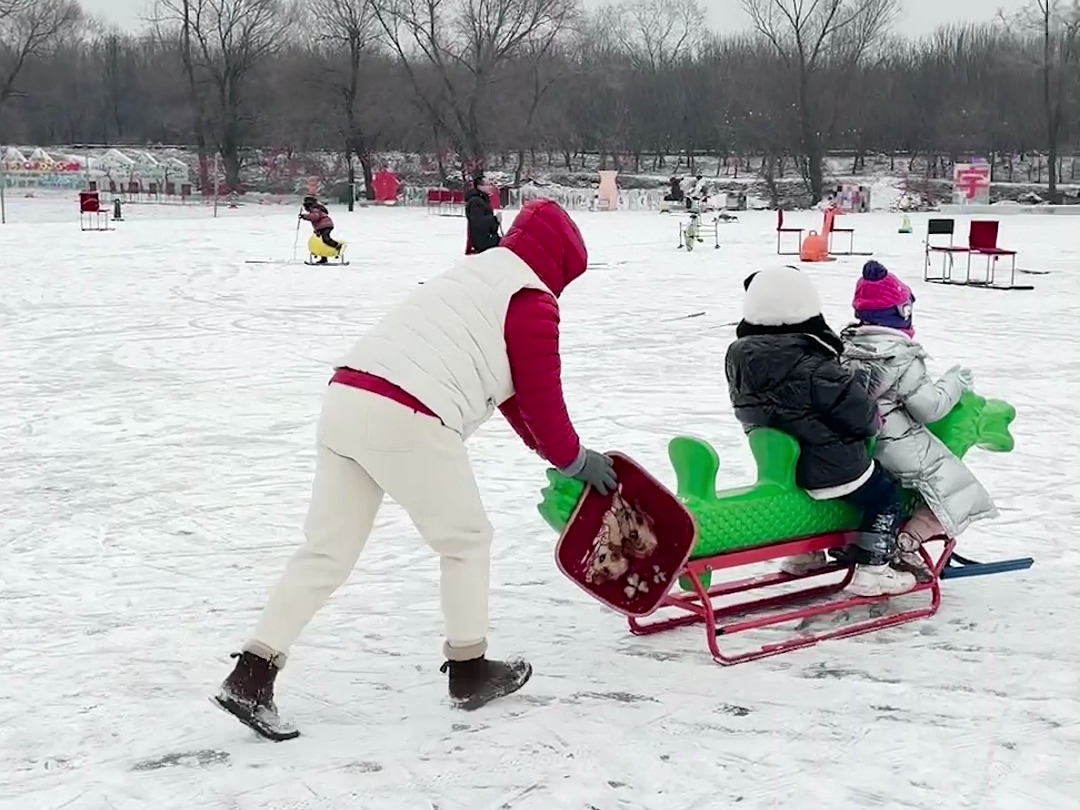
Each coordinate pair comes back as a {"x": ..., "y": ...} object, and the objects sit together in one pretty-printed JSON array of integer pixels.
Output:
[{"x": 698, "y": 608}]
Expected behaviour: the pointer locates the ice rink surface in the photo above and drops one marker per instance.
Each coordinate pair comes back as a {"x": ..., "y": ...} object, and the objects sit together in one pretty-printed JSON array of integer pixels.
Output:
[{"x": 158, "y": 398}]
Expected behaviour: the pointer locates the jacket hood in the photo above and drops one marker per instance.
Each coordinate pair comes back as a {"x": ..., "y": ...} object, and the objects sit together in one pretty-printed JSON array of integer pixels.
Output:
[
  {"x": 779, "y": 296},
  {"x": 545, "y": 237},
  {"x": 815, "y": 328},
  {"x": 866, "y": 342}
]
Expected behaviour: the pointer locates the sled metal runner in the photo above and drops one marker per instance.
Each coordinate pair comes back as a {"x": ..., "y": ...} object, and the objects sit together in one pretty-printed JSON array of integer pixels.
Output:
[
  {"x": 697, "y": 605},
  {"x": 958, "y": 566}
]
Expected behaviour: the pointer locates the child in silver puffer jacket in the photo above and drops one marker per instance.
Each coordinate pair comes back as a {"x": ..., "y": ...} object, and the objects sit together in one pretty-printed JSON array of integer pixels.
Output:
[{"x": 882, "y": 347}]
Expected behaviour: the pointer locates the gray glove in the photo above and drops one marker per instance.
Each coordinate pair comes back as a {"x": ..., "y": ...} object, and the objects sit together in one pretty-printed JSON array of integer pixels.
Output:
[
  {"x": 596, "y": 470},
  {"x": 963, "y": 376}
]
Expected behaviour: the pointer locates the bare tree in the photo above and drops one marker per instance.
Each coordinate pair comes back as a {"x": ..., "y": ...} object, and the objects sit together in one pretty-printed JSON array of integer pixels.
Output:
[
  {"x": 660, "y": 38},
  {"x": 810, "y": 36},
  {"x": 198, "y": 106},
  {"x": 349, "y": 30},
  {"x": 1057, "y": 28},
  {"x": 30, "y": 29},
  {"x": 465, "y": 45},
  {"x": 500, "y": 79},
  {"x": 656, "y": 34},
  {"x": 544, "y": 67},
  {"x": 224, "y": 41},
  {"x": 593, "y": 105}
]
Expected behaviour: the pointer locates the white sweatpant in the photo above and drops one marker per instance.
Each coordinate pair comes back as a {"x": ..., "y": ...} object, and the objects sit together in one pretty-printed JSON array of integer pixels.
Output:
[{"x": 368, "y": 445}]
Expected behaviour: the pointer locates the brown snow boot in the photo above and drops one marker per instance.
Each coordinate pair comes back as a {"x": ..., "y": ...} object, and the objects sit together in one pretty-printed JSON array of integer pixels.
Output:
[
  {"x": 477, "y": 682},
  {"x": 248, "y": 695}
]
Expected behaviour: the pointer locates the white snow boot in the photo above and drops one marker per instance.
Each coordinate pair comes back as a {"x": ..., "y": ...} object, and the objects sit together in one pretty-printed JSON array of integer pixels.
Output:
[{"x": 879, "y": 580}]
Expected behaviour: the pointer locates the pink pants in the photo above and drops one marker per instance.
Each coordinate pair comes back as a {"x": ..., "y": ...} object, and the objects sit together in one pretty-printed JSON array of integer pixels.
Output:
[{"x": 923, "y": 525}]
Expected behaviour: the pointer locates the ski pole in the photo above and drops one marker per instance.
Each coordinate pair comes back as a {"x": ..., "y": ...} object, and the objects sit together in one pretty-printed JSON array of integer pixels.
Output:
[{"x": 296, "y": 239}]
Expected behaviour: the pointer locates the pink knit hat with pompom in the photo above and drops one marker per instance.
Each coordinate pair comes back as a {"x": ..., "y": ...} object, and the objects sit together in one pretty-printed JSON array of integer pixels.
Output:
[{"x": 882, "y": 299}]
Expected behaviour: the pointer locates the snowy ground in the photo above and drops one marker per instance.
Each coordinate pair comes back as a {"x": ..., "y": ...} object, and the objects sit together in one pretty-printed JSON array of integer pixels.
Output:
[{"x": 157, "y": 406}]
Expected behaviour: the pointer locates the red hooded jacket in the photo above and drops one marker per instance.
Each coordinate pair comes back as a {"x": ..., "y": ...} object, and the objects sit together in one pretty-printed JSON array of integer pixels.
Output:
[{"x": 546, "y": 239}]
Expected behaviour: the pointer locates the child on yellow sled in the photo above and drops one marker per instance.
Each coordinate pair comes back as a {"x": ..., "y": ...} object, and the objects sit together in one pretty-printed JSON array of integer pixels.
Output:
[{"x": 317, "y": 214}]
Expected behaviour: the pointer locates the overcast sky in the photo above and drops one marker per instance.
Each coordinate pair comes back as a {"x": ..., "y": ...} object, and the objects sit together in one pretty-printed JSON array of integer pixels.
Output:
[{"x": 919, "y": 16}]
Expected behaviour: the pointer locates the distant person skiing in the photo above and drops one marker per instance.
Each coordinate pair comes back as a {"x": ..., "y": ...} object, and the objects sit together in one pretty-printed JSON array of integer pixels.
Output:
[
  {"x": 319, "y": 217},
  {"x": 482, "y": 224}
]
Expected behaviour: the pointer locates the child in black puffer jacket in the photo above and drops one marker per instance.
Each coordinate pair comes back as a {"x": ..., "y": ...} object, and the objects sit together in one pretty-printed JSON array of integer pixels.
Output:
[{"x": 784, "y": 372}]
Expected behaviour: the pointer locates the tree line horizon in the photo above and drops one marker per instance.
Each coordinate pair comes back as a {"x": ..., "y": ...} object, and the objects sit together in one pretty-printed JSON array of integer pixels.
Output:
[{"x": 475, "y": 78}]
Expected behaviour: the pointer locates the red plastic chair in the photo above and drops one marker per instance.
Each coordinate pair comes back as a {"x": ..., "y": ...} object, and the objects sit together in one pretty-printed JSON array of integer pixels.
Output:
[
  {"x": 92, "y": 217},
  {"x": 982, "y": 240},
  {"x": 457, "y": 198},
  {"x": 780, "y": 229},
  {"x": 89, "y": 202},
  {"x": 440, "y": 198}
]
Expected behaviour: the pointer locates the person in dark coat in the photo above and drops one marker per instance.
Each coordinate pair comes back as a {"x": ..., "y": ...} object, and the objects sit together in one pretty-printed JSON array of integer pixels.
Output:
[
  {"x": 676, "y": 194},
  {"x": 482, "y": 224},
  {"x": 784, "y": 372}
]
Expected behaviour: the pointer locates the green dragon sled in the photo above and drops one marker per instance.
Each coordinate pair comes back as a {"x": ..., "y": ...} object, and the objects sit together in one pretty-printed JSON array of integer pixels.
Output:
[{"x": 774, "y": 508}]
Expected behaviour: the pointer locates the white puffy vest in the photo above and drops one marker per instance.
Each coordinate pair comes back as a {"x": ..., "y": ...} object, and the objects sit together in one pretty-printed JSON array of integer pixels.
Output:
[{"x": 445, "y": 343}]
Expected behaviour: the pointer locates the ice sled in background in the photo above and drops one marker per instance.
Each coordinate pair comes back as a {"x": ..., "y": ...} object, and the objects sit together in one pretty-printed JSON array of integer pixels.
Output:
[{"x": 691, "y": 232}]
